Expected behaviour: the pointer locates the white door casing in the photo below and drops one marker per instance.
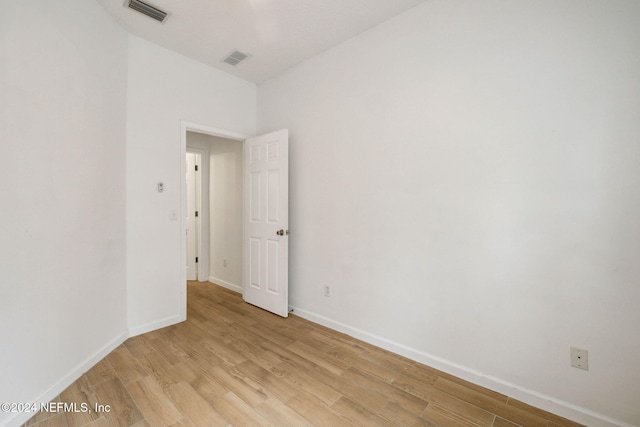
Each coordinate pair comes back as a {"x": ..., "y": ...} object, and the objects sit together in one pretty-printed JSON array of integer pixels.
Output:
[{"x": 266, "y": 222}]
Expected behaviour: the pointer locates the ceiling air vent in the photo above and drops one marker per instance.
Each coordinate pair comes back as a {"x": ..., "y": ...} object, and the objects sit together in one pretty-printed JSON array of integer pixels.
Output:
[
  {"x": 235, "y": 57},
  {"x": 147, "y": 9}
]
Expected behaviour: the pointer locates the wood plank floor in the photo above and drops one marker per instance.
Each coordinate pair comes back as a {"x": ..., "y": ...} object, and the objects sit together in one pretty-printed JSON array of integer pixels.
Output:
[{"x": 233, "y": 364}]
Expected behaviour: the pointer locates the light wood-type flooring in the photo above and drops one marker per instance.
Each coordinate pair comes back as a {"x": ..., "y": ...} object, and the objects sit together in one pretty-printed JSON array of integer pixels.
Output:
[{"x": 234, "y": 364}]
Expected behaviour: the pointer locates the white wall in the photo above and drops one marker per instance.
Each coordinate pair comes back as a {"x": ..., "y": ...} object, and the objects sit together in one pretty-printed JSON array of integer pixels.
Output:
[
  {"x": 165, "y": 88},
  {"x": 465, "y": 178},
  {"x": 62, "y": 190},
  {"x": 226, "y": 213}
]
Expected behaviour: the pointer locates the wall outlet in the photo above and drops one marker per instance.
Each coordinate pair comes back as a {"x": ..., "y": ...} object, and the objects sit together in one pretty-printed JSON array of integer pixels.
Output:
[
  {"x": 224, "y": 262},
  {"x": 327, "y": 290},
  {"x": 579, "y": 358}
]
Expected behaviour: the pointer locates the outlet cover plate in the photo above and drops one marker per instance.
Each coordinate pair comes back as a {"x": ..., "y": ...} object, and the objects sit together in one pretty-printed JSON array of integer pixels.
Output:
[{"x": 579, "y": 358}]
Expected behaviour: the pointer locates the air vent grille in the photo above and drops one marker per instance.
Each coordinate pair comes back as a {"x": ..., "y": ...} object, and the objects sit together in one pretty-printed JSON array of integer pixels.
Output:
[
  {"x": 147, "y": 9},
  {"x": 235, "y": 57}
]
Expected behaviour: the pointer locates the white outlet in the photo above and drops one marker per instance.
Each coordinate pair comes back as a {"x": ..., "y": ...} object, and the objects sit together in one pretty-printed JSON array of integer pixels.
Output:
[
  {"x": 327, "y": 290},
  {"x": 579, "y": 358},
  {"x": 224, "y": 262}
]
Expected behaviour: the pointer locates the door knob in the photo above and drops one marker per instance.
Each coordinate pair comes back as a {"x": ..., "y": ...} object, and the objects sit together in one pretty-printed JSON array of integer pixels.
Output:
[{"x": 282, "y": 232}]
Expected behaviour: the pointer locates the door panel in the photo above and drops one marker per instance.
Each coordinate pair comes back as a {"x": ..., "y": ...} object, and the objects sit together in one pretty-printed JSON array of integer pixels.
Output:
[
  {"x": 266, "y": 240},
  {"x": 192, "y": 235}
]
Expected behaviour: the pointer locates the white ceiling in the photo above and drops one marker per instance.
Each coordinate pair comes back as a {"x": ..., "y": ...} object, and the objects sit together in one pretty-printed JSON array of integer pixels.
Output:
[{"x": 277, "y": 33}]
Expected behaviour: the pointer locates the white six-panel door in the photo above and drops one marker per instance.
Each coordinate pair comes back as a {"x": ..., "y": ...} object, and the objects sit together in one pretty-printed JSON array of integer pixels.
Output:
[
  {"x": 266, "y": 222},
  {"x": 192, "y": 232}
]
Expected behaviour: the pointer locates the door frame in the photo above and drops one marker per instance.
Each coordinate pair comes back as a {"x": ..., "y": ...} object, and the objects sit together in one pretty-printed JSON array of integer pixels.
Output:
[{"x": 186, "y": 126}]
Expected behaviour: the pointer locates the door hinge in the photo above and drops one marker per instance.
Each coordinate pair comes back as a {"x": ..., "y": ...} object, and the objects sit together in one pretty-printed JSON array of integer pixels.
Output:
[
  {"x": 196, "y": 214},
  {"x": 196, "y": 168},
  {"x": 196, "y": 259}
]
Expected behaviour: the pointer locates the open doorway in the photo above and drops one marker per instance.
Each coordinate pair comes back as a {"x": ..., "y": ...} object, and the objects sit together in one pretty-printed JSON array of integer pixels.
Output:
[
  {"x": 214, "y": 235},
  {"x": 211, "y": 252},
  {"x": 248, "y": 240}
]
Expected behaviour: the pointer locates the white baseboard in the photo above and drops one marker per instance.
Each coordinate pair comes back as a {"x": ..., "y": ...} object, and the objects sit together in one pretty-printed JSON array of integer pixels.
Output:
[
  {"x": 152, "y": 326},
  {"x": 67, "y": 380},
  {"x": 530, "y": 397},
  {"x": 539, "y": 400},
  {"x": 226, "y": 284},
  {"x": 75, "y": 373}
]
